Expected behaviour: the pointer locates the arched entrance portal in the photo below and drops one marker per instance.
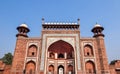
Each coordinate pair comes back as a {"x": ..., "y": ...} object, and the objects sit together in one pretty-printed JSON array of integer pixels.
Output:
[
  {"x": 30, "y": 67},
  {"x": 61, "y": 55},
  {"x": 60, "y": 69}
]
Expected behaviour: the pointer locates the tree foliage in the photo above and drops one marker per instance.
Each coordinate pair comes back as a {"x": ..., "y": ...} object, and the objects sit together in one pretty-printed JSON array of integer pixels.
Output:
[
  {"x": 7, "y": 58},
  {"x": 113, "y": 62}
]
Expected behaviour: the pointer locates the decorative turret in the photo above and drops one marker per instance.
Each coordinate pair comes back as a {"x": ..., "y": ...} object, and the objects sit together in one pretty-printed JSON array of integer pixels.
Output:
[
  {"x": 22, "y": 30},
  {"x": 97, "y": 30}
]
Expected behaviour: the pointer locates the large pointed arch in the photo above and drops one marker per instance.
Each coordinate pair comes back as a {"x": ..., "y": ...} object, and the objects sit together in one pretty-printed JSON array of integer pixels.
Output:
[
  {"x": 63, "y": 52},
  {"x": 60, "y": 46}
]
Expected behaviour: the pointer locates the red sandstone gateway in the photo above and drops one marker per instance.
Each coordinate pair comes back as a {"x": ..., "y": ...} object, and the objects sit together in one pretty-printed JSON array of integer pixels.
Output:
[{"x": 60, "y": 50}]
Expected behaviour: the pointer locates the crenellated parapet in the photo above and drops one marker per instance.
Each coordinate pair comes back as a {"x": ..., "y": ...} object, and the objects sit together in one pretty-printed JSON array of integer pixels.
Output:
[{"x": 60, "y": 25}]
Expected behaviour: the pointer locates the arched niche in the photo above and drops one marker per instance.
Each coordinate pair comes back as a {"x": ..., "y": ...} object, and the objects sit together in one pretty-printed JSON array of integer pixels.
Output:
[
  {"x": 30, "y": 67},
  {"x": 51, "y": 55},
  {"x": 62, "y": 48},
  {"x": 51, "y": 69},
  {"x": 88, "y": 50},
  {"x": 32, "y": 51},
  {"x": 90, "y": 67}
]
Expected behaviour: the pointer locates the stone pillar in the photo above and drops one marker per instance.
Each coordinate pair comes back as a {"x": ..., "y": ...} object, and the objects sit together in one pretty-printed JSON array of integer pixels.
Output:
[
  {"x": 56, "y": 55},
  {"x": 56, "y": 66},
  {"x": 48, "y": 54},
  {"x": 65, "y": 54}
]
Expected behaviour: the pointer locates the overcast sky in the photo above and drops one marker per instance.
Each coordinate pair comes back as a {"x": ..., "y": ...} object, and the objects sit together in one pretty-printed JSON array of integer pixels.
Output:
[{"x": 104, "y": 12}]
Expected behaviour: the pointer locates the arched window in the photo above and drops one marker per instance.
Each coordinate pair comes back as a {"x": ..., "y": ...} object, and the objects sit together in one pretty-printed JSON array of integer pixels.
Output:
[
  {"x": 60, "y": 55},
  {"x": 88, "y": 50},
  {"x": 51, "y": 55},
  {"x": 32, "y": 51},
  {"x": 90, "y": 67}
]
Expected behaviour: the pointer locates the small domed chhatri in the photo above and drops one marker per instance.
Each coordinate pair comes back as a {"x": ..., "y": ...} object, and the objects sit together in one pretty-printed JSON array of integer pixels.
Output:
[
  {"x": 22, "y": 30},
  {"x": 97, "y": 30},
  {"x": 24, "y": 25}
]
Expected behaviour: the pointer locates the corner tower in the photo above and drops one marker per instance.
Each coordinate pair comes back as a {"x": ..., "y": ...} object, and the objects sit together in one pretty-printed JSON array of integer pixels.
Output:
[
  {"x": 20, "y": 49},
  {"x": 102, "y": 59}
]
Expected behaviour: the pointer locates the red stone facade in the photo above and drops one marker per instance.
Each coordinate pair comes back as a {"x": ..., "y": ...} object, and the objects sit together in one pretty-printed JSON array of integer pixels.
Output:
[{"x": 60, "y": 50}]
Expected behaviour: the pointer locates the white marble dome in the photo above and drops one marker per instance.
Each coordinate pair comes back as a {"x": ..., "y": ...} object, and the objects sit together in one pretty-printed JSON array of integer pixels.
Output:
[
  {"x": 97, "y": 25},
  {"x": 24, "y": 25}
]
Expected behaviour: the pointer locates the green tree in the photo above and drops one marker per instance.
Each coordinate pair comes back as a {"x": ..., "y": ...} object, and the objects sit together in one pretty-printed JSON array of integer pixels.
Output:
[
  {"x": 113, "y": 62},
  {"x": 7, "y": 58}
]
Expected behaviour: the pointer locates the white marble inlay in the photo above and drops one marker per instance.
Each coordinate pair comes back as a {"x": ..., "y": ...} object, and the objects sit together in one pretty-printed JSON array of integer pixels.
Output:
[
  {"x": 51, "y": 62},
  {"x": 31, "y": 59},
  {"x": 89, "y": 43},
  {"x": 33, "y": 43},
  {"x": 43, "y": 54},
  {"x": 60, "y": 62},
  {"x": 54, "y": 39},
  {"x": 90, "y": 59}
]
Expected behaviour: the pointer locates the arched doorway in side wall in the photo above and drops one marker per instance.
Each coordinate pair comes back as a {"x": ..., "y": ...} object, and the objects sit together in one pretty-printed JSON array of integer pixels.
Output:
[
  {"x": 51, "y": 69},
  {"x": 60, "y": 69},
  {"x": 30, "y": 67},
  {"x": 70, "y": 69},
  {"x": 90, "y": 67}
]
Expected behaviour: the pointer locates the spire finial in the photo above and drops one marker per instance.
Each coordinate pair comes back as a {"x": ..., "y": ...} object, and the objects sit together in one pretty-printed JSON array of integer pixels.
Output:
[
  {"x": 78, "y": 21},
  {"x": 96, "y": 23},
  {"x": 43, "y": 20},
  {"x": 24, "y": 22}
]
